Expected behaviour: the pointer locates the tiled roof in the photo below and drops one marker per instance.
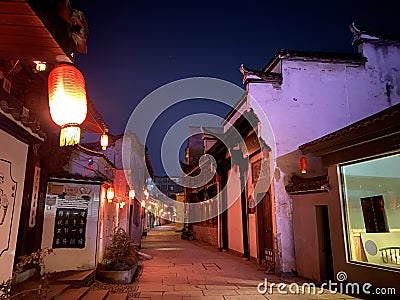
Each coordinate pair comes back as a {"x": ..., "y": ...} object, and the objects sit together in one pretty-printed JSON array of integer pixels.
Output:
[
  {"x": 362, "y": 127},
  {"x": 299, "y": 185},
  {"x": 9, "y": 107}
]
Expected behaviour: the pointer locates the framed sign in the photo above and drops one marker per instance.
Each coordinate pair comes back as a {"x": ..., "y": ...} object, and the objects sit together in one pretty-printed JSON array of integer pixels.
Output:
[{"x": 70, "y": 228}]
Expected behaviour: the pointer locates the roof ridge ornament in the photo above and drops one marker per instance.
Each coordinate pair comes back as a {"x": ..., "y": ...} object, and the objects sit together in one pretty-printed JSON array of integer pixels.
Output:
[{"x": 359, "y": 36}]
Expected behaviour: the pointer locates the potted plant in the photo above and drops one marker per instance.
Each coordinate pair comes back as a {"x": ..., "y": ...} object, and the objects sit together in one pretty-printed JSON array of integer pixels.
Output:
[
  {"x": 27, "y": 263},
  {"x": 120, "y": 261}
]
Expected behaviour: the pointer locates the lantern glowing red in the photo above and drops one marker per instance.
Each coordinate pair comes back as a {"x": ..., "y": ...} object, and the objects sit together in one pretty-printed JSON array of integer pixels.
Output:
[
  {"x": 251, "y": 205},
  {"x": 67, "y": 101},
  {"x": 303, "y": 165},
  {"x": 217, "y": 178}
]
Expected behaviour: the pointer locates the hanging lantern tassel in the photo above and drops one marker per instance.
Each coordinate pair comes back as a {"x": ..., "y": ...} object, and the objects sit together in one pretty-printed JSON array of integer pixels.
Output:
[
  {"x": 70, "y": 135},
  {"x": 303, "y": 165}
]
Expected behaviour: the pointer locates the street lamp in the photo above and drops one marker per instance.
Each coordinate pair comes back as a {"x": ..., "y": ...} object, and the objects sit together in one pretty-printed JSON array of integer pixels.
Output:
[
  {"x": 110, "y": 194},
  {"x": 132, "y": 194},
  {"x": 104, "y": 141}
]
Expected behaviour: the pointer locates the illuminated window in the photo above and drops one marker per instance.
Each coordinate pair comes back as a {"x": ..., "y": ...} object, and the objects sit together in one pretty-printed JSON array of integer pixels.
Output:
[{"x": 371, "y": 199}]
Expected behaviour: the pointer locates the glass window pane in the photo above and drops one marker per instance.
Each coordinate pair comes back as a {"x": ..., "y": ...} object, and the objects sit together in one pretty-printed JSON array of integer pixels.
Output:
[{"x": 371, "y": 195}]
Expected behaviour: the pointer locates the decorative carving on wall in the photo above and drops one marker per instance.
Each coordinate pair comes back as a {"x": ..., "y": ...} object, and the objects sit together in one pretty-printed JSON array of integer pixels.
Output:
[{"x": 8, "y": 191}]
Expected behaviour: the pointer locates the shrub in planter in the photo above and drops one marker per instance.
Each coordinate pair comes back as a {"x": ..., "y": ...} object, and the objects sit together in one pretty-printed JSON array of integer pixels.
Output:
[{"x": 120, "y": 253}]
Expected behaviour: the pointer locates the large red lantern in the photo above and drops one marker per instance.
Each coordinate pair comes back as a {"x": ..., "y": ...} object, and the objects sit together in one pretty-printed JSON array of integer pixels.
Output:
[{"x": 67, "y": 101}]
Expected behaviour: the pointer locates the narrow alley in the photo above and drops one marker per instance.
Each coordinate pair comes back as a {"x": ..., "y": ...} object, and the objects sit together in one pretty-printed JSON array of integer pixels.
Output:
[{"x": 182, "y": 269}]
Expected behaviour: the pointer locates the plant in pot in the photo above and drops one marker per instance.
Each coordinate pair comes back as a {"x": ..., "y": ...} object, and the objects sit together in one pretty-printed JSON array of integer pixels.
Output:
[
  {"x": 120, "y": 261},
  {"x": 34, "y": 261}
]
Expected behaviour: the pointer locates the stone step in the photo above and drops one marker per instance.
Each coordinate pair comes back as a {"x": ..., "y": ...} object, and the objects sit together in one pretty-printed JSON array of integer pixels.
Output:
[
  {"x": 122, "y": 296},
  {"x": 96, "y": 295},
  {"x": 77, "y": 278},
  {"x": 56, "y": 290},
  {"x": 73, "y": 294}
]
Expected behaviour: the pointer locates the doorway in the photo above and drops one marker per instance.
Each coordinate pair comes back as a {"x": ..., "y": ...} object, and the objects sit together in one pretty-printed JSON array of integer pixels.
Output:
[
  {"x": 265, "y": 249},
  {"x": 324, "y": 243}
]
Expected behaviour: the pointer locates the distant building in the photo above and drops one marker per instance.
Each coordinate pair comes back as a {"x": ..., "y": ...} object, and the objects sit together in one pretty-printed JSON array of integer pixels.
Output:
[
  {"x": 199, "y": 142},
  {"x": 131, "y": 173},
  {"x": 168, "y": 186}
]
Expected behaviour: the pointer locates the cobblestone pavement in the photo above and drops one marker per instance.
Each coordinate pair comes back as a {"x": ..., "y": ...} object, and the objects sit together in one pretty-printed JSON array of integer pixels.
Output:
[{"x": 182, "y": 269}]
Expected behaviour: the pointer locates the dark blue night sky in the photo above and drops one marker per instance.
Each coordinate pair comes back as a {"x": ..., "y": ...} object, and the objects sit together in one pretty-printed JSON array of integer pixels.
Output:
[{"x": 134, "y": 47}]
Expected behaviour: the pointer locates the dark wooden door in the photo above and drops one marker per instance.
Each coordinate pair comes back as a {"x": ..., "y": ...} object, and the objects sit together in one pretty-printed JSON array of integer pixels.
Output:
[
  {"x": 264, "y": 224},
  {"x": 324, "y": 243}
]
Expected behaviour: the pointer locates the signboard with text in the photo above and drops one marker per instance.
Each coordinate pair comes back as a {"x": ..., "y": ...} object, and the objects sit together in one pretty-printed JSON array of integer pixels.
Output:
[{"x": 70, "y": 228}]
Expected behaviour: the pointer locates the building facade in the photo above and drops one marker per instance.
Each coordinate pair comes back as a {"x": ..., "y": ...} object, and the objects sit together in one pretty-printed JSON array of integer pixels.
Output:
[
  {"x": 32, "y": 31},
  {"x": 306, "y": 95},
  {"x": 352, "y": 225}
]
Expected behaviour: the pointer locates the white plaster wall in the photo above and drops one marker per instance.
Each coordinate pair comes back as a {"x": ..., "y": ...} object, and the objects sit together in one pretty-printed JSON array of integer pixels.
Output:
[
  {"x": 14, "y": 151},
  {"x": 312, "y": 101},
  {"x": 284, "y": 227},
  {"x": 69, "y": 258},
  {"x": 383, "y": 67},
  {"x": 235, "y": 237}
]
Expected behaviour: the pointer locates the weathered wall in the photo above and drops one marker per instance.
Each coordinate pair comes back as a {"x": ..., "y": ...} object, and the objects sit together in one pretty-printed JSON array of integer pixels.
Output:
[{"x": 382, "y": 68}]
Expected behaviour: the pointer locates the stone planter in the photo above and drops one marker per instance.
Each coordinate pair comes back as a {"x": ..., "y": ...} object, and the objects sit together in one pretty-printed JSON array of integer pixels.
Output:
[{"x": 116, "y": 276}]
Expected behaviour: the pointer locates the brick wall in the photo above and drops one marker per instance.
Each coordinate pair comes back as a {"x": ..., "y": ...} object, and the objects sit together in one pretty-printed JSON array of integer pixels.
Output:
[{"x": 206, "y": 234}]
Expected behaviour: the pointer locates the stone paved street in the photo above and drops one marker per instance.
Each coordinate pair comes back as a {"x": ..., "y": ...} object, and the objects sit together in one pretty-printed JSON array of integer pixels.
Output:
[{"x": 182, "y": 269}]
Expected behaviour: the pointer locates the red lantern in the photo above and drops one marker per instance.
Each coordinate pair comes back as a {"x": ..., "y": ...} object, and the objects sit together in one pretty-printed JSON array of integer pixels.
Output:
[
  {"x": 217, "y": 178},
  {"x": 303, "y": 165},
  {"x": 67, "y": 101},
  {"x": 251, "y": 205}
]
